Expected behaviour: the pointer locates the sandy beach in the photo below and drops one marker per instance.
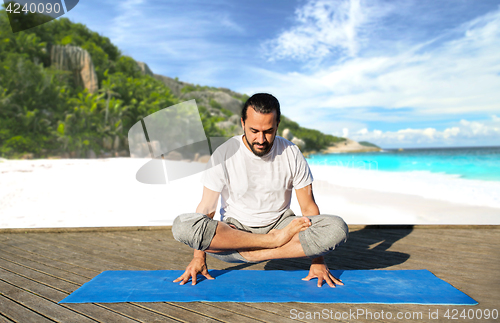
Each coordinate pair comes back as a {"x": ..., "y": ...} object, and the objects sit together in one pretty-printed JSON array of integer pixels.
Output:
[
  {"x": 105, "y": 192},
  {"x": 349, "y": 146}
]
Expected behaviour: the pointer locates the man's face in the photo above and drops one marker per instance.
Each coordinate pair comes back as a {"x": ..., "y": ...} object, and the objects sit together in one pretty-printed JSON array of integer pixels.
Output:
[{"x": 260, "y": 130}]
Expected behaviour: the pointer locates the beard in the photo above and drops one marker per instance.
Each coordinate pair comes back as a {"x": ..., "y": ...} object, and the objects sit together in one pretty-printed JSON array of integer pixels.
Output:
[{"x": 260, "y": 151}]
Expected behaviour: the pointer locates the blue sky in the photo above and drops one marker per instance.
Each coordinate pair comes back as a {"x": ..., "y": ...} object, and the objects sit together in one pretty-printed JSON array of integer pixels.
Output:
[{"x": 396, "y": 73}]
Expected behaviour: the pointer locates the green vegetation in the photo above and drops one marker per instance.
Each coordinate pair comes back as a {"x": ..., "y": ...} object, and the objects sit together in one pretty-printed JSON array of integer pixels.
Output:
[
  {"x": 314, "y": 139},
  {"x": 193, "y": 88},
  {"x": 368, "y": 144},
  {"x": 44, "y": 112}
]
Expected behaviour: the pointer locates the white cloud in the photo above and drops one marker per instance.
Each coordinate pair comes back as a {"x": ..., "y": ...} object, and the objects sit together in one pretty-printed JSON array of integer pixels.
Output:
[
  {"x": 453, "y": 76},
  {"x": 324, "y": 27},
  {"x": 355, "y": 68},
  {"x": 464, "y": 133}
]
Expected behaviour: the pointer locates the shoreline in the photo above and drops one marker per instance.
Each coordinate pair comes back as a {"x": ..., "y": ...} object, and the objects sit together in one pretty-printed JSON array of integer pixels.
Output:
[
  {"x": 104, "y": 193},
  {"x": 349, "y": 146},
  {"x": 365, "y": 206},
  {"x": 426, "y": 184}
]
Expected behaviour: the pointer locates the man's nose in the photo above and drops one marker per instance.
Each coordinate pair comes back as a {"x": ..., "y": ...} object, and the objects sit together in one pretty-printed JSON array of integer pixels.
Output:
[{"x": 262, "y": 138}]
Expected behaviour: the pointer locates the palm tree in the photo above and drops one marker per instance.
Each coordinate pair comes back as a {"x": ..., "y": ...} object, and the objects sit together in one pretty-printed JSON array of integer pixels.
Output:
[
  {"x": 107, "y": 89},
  {"x": 82, "y": 122}
]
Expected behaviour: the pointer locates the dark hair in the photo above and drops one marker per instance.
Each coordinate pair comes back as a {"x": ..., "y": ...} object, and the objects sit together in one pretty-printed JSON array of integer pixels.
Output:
[{"x": 262, "y": 103}]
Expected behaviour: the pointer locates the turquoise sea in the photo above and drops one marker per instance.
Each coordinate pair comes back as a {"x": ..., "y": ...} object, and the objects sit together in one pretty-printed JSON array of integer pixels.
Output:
[{"x": 480, "y": 163}]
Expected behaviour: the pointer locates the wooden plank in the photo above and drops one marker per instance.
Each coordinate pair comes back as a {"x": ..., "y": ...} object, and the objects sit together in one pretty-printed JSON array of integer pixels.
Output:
[
  {"x": 186, "y": 260},
  {"x": 40, "y": 267},
  {"x": 127, "y": 251},
  {"x": 48, "y": 261},
  {"x": 101, "y": 313},
  {"x": 151, "y": 249},
  {"x": 97, "y": 253},
  {"x": 69, "y": 256},
  {"x": 55, "y": 294},
  {"x": 91, "y": 310},
  {"x": 455, "y": 267},
  {"x": 177, "y": 313},
  {"x": 472, "y": 268},
  {"x": 153, "y": 229},
  {"x": 253, "y": 312},
  {"x": 221, "y": 313},
  {"x": 81, "y": 229},
  {"x": 316, "y": 312},
  {"x": 448, "y": 241},
  {"x": 139, "y": 313},
  {"x": 58, "y": 275},
  {"x": 481, "y": 257},
  {"x": 272, "y": 308},
  {"x": 46, "y": 279},
  {"x": 4, "y": 319},
  {"x": 155, "y": 236},
  {"x": 294, "y": 265},
  {"x": 41, "y": 305},
  {"x": 156, "y": 240},
  {"x": 33, "y": 286},
  {"x": 128, "y": 310},
  {"x": 310, "y": 312},
  {"x": 365, "y": 255},
  {"x": 382, "y": 258},
  {"x": 477, "y": 252},
  {"x": 18, "y": 313},
  {"x": 451, "y": 242}
]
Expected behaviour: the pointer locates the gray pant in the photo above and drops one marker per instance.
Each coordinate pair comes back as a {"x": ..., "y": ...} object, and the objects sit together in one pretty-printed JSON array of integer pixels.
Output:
[{"x": 325, "y": 233}]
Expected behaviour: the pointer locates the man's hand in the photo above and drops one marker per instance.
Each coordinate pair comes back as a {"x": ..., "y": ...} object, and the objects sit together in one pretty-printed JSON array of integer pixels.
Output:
[
  {"x": 197, "y": 265},
  {"x": 320, "y": 270}
]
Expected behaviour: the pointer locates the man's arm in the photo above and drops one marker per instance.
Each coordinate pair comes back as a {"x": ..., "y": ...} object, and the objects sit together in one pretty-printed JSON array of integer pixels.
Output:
[
  {"x": 207, "y": 206},
  {"x": 208, "y": 202},
  {"x": 305, "y": 197},
  {"x": 318, "y": 269}
]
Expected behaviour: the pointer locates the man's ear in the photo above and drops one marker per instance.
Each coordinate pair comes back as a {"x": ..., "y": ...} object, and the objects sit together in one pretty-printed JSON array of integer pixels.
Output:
[{"x": 242, "y": 123}]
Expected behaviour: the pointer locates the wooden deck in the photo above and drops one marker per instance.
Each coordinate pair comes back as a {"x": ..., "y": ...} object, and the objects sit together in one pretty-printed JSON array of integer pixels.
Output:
[{"x": 38, "y": 268}]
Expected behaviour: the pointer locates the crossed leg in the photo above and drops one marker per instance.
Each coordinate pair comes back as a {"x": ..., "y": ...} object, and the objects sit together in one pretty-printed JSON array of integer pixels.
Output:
[
  {"x": 291, "y": 249},
  {"x": 294, "y": 237},
  {"x": 325, "y": 233},
  {"x": 229, "y": 238}
]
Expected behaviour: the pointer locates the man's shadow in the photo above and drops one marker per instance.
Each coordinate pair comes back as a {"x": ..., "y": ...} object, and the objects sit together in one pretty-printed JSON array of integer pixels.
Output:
[{"x": 365, "y": 249}]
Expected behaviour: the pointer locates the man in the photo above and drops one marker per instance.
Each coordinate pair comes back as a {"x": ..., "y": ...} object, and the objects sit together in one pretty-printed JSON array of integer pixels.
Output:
[{"x": 255, "y": 173}]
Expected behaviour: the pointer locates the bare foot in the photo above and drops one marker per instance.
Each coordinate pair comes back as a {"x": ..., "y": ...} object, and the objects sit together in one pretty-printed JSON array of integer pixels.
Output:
[
  {"x": 282, "y": 236},
  {"x": 291, "y": 249},
  {"x": 250, "y": 255}
]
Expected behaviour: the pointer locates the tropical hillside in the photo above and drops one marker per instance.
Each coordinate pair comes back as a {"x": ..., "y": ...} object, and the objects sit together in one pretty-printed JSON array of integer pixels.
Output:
[{"x": 67, "y": 91}]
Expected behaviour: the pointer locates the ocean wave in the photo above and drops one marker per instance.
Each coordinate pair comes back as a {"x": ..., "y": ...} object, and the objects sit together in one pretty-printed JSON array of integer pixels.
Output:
[{"x": 438, "y": 186}]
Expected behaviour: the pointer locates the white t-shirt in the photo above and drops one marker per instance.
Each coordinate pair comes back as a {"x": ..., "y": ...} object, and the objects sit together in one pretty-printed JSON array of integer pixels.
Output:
[{"x": 256, "y": 190}]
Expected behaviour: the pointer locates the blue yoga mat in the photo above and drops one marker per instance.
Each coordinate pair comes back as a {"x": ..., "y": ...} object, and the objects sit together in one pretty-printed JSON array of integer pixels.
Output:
[{"x": 360, "y": 287}]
